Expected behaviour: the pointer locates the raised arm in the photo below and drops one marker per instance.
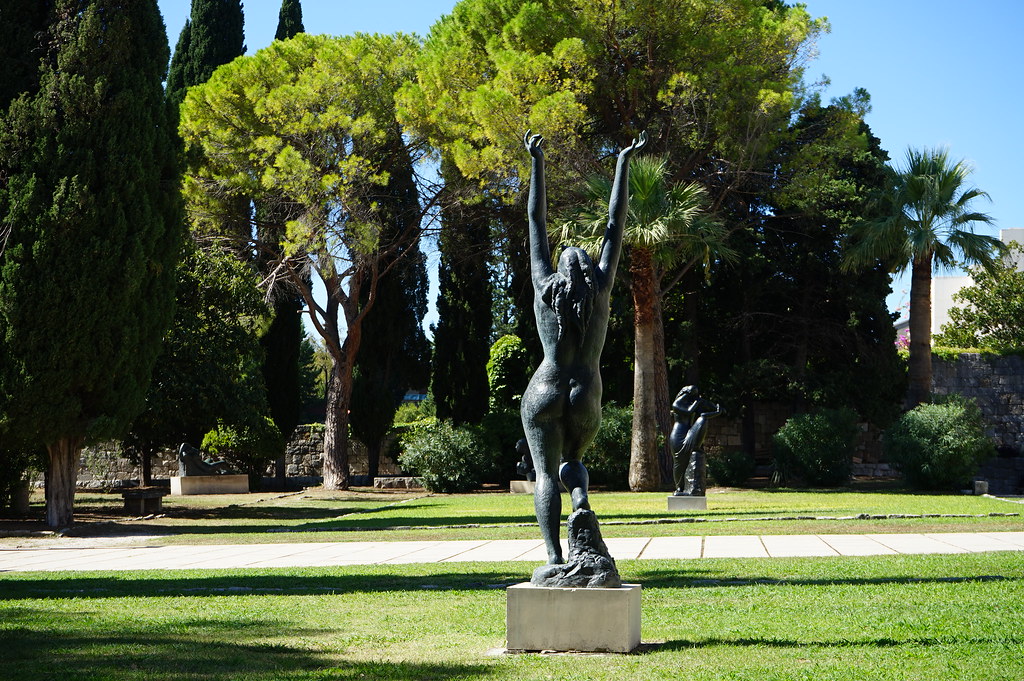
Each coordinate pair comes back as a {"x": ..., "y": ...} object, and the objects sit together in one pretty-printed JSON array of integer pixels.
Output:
[
  {"x": 618, "y": 206},
  {"x": 540, "y": 250}
]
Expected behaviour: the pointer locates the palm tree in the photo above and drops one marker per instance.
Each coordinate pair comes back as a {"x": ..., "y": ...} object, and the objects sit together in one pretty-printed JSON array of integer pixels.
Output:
[
  {"x": 668, "y": 233},
  {"x": 927, "y": 223}
]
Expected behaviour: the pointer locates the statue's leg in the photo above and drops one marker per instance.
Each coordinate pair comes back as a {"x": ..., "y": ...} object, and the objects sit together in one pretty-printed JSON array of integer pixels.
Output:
[
  {"x": 547, "y": 502},
  {"x": 679, "y": 464},
  {"x": 700, "y": 474},
  {"x": 545, "y": 439},
  {"x": 576, "y": 479},
  {"x": 691, "y": 477}
]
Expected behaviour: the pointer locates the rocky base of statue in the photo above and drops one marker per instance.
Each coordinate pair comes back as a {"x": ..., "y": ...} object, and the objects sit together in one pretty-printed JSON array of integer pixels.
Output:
[{"x": 589, "y": 564}]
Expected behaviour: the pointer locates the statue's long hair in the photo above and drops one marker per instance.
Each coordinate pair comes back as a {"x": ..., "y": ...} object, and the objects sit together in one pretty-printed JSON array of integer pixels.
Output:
[{"x": 570, "y": 292}]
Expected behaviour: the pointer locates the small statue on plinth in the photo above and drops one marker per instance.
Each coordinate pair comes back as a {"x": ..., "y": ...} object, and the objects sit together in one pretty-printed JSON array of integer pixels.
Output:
[
  {"x": 525, "y": 466},
  {"x": 561, "y": 407},
  {"x": 691, "y": 413},
  {"x": 191, "y": 462}
]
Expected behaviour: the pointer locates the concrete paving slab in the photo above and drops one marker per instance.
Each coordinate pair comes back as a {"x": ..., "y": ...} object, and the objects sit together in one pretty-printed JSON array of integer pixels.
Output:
[
  {"x": 683, "y": 548},
  {"x": 914, "y": 544},
  {"x": 498, "y": 550},
  {"x": 975, "y": 543},
  {"x": 540, "y": 554},
  {"x": 626, "y": 548},
  {"x": 1015, "y": 538},
  {"x": 734, "y": 547},
  {"x": 179, "y": 557},
  {"x": 796, "y": 546},
  {"x": 437, "y": 552},
  {"x": 855, "y": 545}
]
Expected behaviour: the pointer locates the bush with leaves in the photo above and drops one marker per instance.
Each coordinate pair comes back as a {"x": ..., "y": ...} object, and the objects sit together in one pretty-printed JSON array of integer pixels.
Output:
[
  {"x": 507, "y": 375},
  {"x": 729, "y": 467},
  {"x": 939, "y": 446},
  {"x": 607, "y": 458},
  {"x": 817, "y": 447},
  {"x": 249, "y": 448},
  {"x": 448, "y": 459}
]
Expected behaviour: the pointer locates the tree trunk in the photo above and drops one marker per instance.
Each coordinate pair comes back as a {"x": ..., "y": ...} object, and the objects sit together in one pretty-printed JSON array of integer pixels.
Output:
[
  {"x": 146, "y": 469},
  {"x": 662, "y": 401},
  {"x": 336, "y": 428},
  {"x": 61, "y": 476},
  {"x": 919, "y": 372},
  {"x": 644, "y": 472}
]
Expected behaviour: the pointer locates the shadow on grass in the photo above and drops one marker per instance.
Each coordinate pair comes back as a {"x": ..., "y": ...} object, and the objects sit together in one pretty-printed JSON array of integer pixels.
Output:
[
  {"x": 376, "y": 579},
  {"x": 682, "y": 644},
  {"x": 282, "y": 582},
  {"x": 82, "y": 645}
]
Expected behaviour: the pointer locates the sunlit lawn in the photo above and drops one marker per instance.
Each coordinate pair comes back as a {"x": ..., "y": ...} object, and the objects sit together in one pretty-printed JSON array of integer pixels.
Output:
[
  {"x": 888, "y": 617},
  {"x": 364, "y": 515}
]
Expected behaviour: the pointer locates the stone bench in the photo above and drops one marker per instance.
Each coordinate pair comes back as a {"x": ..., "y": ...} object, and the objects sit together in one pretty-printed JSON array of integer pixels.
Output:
[
  {"x": 144, "y": 500},
  {"x": 209, "y": 484}
]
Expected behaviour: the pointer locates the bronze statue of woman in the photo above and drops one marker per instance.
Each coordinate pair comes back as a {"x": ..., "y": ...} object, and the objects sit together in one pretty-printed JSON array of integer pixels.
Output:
[
  {"x": 561, "y": 407},
  {"x": 691, "y": 412}
]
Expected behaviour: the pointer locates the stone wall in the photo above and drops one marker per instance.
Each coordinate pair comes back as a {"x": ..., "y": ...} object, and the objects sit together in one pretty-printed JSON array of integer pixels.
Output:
[
  {"x": 103, "y": 467},
  {"x": 726, "y": 432},
  {"x": 996, "y": 382}
]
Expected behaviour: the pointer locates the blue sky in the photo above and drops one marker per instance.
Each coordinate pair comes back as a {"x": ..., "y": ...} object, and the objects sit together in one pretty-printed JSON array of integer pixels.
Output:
[{"x": 940, "y": 72}]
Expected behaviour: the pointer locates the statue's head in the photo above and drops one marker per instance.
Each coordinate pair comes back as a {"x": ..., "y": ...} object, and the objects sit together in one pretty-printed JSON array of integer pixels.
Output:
[
  {"x": 571, "y": 291},
  {"x": 688, "y": 391}
]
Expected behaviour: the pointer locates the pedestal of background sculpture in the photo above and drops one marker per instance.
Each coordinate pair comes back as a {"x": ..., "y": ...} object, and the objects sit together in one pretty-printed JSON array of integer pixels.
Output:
[
  {"x": 522, "y": 486},
  {"x": 564, "y": 619},
  {"x": 687, "y": 503},
  {"x": 209, "y": 484}
]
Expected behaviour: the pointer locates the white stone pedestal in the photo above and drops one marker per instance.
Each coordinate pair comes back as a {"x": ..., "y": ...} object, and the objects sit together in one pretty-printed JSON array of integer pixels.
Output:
[
  {"x": 209, "y": 484},
  {"x": 521, "y": 486},
  {"x": 564, "y": 619},
  {"x": 687, "y": 503}
]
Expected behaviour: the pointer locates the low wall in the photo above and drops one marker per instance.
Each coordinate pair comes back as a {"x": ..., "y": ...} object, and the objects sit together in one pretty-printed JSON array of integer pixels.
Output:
[
  {"x": 103, "y": 466},
  {"x": 996, "y": 383}
]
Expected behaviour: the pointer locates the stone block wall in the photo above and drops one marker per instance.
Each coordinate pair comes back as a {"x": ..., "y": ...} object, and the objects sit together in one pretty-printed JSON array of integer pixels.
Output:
[
  {"x": 725, "y": 431},
  {"x": 996, "y": 382},
  {"x": 103, "y": 466}
]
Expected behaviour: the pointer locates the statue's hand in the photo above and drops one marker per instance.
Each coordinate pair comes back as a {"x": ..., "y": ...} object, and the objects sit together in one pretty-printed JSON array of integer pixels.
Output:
[
  {"x": 638, "y": 144},
  {"x": 533, "y": 144}
]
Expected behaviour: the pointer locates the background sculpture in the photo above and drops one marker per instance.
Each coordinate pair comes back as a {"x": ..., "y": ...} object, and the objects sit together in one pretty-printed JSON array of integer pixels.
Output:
[
  {"x": 691, "y": 412},
  {"x": 561, "y": 407},
  {"x": 191, "y": 462}
]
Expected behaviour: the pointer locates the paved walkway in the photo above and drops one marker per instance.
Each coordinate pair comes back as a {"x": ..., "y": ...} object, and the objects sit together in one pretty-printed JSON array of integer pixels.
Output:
[{"x": 180, "y": 557}]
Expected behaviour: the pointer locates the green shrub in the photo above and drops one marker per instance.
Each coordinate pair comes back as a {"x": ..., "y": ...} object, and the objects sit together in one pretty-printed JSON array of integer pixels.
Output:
[
  {"x": 248, "y": 449},
  {"x": 729, "y": 468},
  {"x": 507, "y": 375},
  {"x": 16, "y": 468},
  {"x": 499, "y": 431},
  {"x": 607, "y": 458},
  {"x": 448, "y": 459},
  {"x": 939, "y": 446},
  {"x": 817, "y": 447}
]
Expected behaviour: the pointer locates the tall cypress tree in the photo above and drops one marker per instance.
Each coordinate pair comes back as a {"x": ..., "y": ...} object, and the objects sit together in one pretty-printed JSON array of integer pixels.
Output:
[
  {"x": 22, "y": 23},
  {"x": 282, "y": 341},
  {"x": 87, "y": 278},
  {"x": 213, "y": 35},
  {"x": 395, "y": 355},
  {"x": 462, "y": 336},
  {"x": 289, "y": 21}
]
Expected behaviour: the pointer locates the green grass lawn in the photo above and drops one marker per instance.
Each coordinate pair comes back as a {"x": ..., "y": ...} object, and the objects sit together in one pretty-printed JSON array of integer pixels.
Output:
[
  {"x": 316, "y": 515},
  {"x": 887, "y": 617}
]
